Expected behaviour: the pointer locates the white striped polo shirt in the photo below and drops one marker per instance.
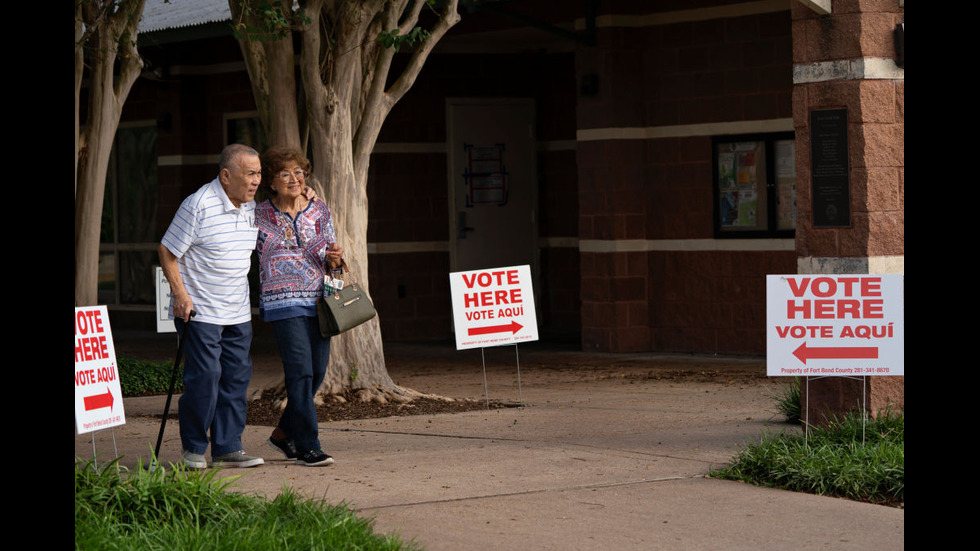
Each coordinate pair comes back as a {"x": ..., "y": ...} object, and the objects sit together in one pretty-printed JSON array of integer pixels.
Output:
[{"x": 213, "y": 241}]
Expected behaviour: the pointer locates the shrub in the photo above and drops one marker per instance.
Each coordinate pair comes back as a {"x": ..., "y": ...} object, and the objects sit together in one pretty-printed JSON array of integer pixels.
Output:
[
  {"x": 850, "y": 459},
  {"x": 143, "y": 378},
  {"x": 789, "y": 401},
  {"x": 180, "y": 509}
]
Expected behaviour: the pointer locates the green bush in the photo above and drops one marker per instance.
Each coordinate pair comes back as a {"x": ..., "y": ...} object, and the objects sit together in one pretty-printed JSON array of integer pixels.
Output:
[
  {"x": 847, "y": 459},
  {"x": 789, "y": 401},
  {"x": 180, "y": 509},
  {"x": 143, "y": 378}
]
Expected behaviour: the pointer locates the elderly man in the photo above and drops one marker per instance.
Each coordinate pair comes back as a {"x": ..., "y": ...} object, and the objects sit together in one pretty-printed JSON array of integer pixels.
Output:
[{"x": 206, "y": 255}]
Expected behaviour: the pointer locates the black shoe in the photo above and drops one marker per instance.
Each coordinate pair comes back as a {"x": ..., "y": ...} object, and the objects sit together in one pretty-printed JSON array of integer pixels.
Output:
[
  {"x": 285, "y": 447},
  {"x": 314, "y": 458}
]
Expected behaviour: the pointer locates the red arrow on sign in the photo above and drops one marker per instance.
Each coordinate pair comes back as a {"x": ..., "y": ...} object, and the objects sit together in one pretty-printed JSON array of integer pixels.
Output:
[
  {"x": 99, "y": 401},
  {"x": 513, "y": 327},
  {"x": 836, "y": 353}
]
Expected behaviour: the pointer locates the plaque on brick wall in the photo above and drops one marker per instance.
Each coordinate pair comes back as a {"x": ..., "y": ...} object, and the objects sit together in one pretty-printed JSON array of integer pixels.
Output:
[{"x": 829, "y": 169}]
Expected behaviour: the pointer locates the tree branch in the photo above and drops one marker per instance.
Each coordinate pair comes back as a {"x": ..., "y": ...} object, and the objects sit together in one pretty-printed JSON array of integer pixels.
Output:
[
  {"x": 379, "y": 103},
  {"x": 92, "y": 15},
  {"x": 411, "y": 18},
  {"x": 447, "y": 19},
  {"x": 373, "y": 105},
  {"x": 126, "y": 26},
  {"x": 369, "y": 52}
]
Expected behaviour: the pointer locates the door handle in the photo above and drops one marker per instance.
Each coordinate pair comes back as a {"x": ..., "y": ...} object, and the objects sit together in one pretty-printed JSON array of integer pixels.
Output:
[{"x": 461, "y": 227}]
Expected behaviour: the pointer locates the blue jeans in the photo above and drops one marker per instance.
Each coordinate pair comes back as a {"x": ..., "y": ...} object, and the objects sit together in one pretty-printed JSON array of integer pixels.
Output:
[
  {"x": 305, "y": 355},
  {"x": 217, "y": 370}
]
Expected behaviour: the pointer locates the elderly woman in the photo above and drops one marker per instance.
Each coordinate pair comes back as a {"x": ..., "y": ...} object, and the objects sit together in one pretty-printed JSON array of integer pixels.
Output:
[{"x": 297, "y": 247}]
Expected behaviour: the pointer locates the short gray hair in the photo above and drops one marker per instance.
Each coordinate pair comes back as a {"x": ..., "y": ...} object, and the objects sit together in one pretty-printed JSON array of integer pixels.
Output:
[{"x": 231, "y": 153}]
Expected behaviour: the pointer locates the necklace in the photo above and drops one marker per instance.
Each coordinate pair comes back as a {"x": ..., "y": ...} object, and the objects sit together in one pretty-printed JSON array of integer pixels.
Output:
[{"x": 290, "y": 238}]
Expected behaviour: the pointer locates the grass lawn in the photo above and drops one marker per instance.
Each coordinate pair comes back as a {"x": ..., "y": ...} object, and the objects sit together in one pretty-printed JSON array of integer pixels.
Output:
[{"x": 178, "y": 509}]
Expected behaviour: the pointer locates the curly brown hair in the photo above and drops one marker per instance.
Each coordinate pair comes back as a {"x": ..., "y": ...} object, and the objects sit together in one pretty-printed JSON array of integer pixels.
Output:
[{"x": 275, "y": 159}]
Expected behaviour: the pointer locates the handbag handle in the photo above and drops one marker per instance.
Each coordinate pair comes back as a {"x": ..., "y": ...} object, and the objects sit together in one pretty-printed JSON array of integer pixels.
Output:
[{"x": 346, "y": 270}]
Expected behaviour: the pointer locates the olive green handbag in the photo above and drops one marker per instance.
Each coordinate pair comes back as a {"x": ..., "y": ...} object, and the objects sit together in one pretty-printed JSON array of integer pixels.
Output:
[{"x": 344, "y": 309}]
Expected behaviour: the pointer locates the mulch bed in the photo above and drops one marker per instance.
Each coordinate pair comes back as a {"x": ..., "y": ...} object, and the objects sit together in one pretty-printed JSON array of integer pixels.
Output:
[{"x": 265, "y": 411}]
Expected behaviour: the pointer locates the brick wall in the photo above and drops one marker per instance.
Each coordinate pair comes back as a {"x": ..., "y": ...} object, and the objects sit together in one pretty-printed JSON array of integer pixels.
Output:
[
  {"x": 409, "y": 198},
  {"x": 658, "y": 191}
]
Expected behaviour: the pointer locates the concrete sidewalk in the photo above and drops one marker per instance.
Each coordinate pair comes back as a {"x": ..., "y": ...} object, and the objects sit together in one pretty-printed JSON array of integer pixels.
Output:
[{"x": 600, "y": 458}]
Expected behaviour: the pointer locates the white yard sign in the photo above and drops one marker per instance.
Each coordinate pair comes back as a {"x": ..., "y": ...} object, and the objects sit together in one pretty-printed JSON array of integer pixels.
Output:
[
  {"x": 164, "y": 323},
  {"x": 98, "y": 395},
  {"x": 493, "y": 307},
  {"x": 835, "y": 325}
]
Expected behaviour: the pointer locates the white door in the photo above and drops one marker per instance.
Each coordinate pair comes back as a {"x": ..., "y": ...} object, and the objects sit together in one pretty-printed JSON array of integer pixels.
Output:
[{"x": 493, "y": 183}]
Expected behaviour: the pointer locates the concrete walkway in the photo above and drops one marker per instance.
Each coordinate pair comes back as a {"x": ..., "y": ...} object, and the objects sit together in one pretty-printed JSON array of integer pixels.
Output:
[{"x": 600, "y": 457}]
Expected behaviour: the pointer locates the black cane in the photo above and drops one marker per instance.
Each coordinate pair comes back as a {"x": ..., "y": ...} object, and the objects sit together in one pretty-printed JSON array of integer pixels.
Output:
[{"x": 173, "y": 381}]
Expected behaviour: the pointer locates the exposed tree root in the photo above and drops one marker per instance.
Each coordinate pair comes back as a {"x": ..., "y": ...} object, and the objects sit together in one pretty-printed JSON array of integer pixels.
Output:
[
  {"x": 377, "y": 395},
  {"x": 396, "y": 394}
]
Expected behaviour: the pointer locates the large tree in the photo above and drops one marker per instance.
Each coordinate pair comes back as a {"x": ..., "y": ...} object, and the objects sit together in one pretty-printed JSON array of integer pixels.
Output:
[
  {"x": 345, "y": 54},
  {"x": 107, "y": 60}
]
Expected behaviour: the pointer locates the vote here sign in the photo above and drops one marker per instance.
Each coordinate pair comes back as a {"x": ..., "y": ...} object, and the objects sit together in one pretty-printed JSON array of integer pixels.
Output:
[
  {"x": 835, "y": 325},
  {"x": 493, "y": 307},
  {"x": 98, "y": 394}
]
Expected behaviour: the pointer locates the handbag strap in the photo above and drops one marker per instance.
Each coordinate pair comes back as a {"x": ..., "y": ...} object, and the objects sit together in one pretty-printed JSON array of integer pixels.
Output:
[{"x": 346, "y": 270}]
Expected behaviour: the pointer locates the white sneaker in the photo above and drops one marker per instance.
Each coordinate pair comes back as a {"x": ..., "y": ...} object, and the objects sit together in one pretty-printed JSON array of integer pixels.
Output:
[{"x": 194, "y": 460}]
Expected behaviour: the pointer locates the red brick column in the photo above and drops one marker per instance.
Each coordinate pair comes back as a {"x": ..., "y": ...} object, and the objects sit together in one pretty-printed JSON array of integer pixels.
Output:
[{"x": 845, "y": 60}]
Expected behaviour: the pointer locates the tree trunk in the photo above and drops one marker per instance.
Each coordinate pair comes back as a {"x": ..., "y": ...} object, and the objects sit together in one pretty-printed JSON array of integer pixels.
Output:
[
  {"x": 111, "y": 38},
  {"x": 357, "y": 356},
  {"x": 272, "y": 72},
  {"x": 79, "y": 73},
  {"x": 343, "y": 77}
]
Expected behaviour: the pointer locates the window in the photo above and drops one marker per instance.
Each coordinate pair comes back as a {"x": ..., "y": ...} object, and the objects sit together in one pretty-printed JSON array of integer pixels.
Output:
[
  {"x": 245, "y": 128},
  {"x": 755, "y": 185},
  {"x": 128, "y": 242}
]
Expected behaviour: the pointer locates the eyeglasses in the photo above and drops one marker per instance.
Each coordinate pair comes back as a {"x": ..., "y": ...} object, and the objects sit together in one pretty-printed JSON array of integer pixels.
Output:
[{"x": 297, "y": 175}]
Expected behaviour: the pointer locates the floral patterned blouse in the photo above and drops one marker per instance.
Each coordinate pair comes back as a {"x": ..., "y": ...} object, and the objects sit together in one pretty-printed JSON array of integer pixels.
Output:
[{"x": 292, "y": 259}]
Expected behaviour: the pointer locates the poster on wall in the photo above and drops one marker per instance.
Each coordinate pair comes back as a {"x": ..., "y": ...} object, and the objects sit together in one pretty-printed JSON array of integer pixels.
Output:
[
  {"x": 738, "y": 184},
  {"x": 748, "y": 204},
  {"x": 786, "y": 184}
]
